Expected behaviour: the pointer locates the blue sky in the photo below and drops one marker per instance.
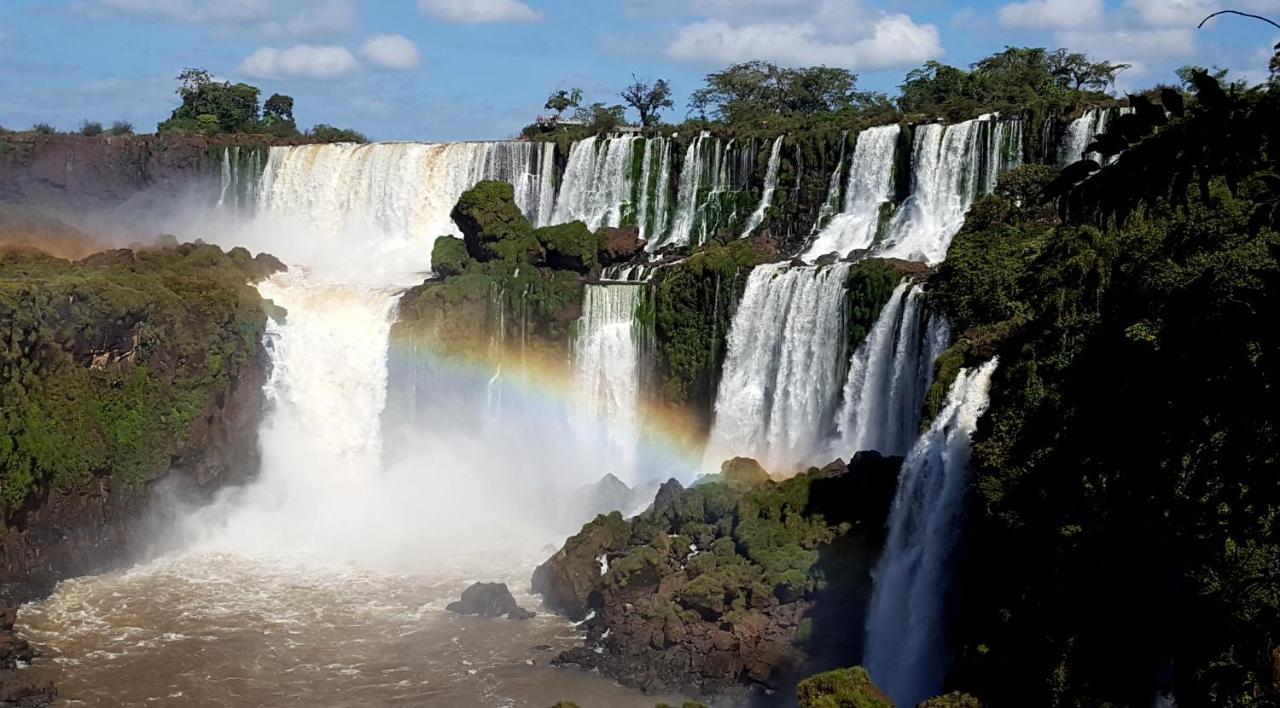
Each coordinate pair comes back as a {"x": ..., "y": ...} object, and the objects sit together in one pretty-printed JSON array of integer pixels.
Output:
[{"x": 480, "y": 69}]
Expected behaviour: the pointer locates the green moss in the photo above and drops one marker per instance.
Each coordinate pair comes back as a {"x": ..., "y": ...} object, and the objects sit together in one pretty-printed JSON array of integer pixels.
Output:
[
  {"x": 694, "y": 300},
  {"x": 109, "y": 362},
  {"x": 870, "y": 285},
  {"x": 842, "y": 688},
  {"x": 493, "y": 227},
  {"x": 449, "y": 256},
  {"x": 952, "y": 700},
  {"x": 569, "y": 246}
]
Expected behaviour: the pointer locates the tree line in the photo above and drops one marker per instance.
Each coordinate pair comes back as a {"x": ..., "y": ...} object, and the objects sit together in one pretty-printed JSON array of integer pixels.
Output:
[{"x": 756, "y": 93}]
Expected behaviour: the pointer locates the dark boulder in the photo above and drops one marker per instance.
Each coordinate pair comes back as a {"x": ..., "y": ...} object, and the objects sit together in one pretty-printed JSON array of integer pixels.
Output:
[
  {"x": 449, "y": 256},
  {"x": 489, "y": 600},
  {"x": 619, "y": 245},
  {"x": 567, "y": 580}
]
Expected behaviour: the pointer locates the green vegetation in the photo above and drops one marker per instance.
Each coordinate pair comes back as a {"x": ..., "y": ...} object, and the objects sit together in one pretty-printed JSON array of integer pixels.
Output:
[
  {"x": 694, "y": 300},
  {"x": 842, "y": 688},
  {"x": 569, "y": 246},
  {"x": 870, "y": 285},
  {"x": 1015, "y": 80},
  {"x": 109, "y": 361},
  {"x": 1124, "y": 523},
  {"x": 90, "y": 128},
  {"x": 648, "y": 100},
  {"x": 212, "y": 107},
  {"x": 758, "y": 91}
]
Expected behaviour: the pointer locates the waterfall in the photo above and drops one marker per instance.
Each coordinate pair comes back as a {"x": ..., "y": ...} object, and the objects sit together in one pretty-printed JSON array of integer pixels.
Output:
[
  {"x": 888, "y": 377},
  {"x": 781, "y": 379},
  {"x": 770, "y": 186},
  {"x": 686, "y": 196},
  {"x": 906, "y": 646},
  {"x": 241, "y": 179},
  {"x": 608, "y": 369},
  {"x": 646, "y": 170},
  {"x": 662, "y": 190},
  {"x": 1080, "y": 132},
  {"x": 597, "y": 183},
  {"x": 832, "y": 202},
  {"x": 869, "y": 190},
  {"x": 402, "y": 191},
  {"x": 951, "y": 167}
]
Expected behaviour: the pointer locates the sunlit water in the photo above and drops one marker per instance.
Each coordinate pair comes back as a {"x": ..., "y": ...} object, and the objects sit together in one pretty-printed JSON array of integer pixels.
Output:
[{"x": 227, "y": 630}]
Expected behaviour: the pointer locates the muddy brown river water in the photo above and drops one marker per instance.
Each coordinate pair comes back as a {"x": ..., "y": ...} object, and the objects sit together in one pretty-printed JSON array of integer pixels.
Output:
[{"x": 227, "y": 630}]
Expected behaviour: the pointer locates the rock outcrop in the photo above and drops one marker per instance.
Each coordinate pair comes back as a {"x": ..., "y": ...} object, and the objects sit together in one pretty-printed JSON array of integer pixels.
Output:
[
  {"x": 724, "y": 584},
  {"x": 489, "y": 600},
  {"x": 619, "y": 245}
]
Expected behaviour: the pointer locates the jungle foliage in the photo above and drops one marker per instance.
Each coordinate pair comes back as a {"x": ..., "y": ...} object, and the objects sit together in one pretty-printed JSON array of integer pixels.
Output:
[
  {"x": 106, "y": 363},
  {"x": 1124, "y": 531}
]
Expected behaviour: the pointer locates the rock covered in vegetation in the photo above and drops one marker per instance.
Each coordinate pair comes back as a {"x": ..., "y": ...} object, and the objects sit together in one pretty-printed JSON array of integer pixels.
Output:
[
  {"x": 721, "y": 584},
  {"x": 569, "y": 246},
  {"x": 841, "y": 688},
  {"x": 449, "y": 256},
  {"x": 493, "y": 227},
  {"x": 489, "y": 600},
  {"x": 123, "y": 370}
]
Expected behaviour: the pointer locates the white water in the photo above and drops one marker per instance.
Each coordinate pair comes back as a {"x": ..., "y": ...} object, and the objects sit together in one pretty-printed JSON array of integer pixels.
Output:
[
  {"x": 832, "y": 204},
  {"x": 781, "y": 384},
  {"x": 906, "y": 647},
  {"x": 950, "y": 166},
  {"x": 1081, "y": 132},
  {"x": 607, "y": 368},
  {"x": 888, "y": 377},
  {"x": 314, "y": 199},
  {"x": 597, "y": 184},
  {"x": 686, "y": 196},
  {"x": 770, "y": 186},
  {"x": 869, "y": 190}
]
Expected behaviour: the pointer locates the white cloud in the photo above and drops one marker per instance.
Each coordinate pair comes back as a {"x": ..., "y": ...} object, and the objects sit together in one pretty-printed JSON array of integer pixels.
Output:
[
  {"x": 1051, "y": 14},
  {"x": 893, "y": 40},
  {"x": 1130, "y": 45},
  {"x": 390, "y": 51},
  {"x": 479, "y": 11},
  {"x": 1185, "y": 14},
  {"x": 263, "y": 18},
  {"x": 301, "y": 61}
]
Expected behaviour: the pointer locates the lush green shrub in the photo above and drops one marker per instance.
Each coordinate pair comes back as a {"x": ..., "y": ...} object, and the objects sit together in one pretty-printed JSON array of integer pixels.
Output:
[
  {"x": 842, "y": 688},
  {"x": 449, "y": 256},
  {"x": 569, "y": 246}
]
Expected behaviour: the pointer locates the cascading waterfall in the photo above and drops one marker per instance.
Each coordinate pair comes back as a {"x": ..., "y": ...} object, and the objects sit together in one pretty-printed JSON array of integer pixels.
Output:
[
  {"x": 832, "y": 202},
  {"x": 402, "y": 191},
  {"x": 888, "y": 377},
  {"x": 241, "y": 179},
  {"x": 1080, "y": 132},
  {"x": 770, "y": 186},
  {"x": 868, "y": 193},
  {"x": 781, "y": 381},
  {"x": 951, "y": 167},
  {"x": 609, "y": 359},
  {"x": 597, "y": 183},
  {"x": 906, "y": 647}
]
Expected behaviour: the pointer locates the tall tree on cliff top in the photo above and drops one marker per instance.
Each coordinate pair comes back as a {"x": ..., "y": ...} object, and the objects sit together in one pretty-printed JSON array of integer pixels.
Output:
[
  {"x": 647, "y": 100},
  {"x": 563, "y": 99},
  {"x": 759, "y": 90},
  {"x": 213, "y": 106}
]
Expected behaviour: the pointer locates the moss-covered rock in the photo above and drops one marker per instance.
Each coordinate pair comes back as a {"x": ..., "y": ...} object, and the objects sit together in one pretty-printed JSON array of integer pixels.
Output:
[
  {"x": 569, "y": 246},
  {"x": 693, "y": 306},
  {"x": 952, "y": 700},
  {"x": 493, "y": 227},
  {"x": 745, "y": 471},
  {"x": 449, "y": 256},
  {"x": 842, "y": 688},
  {"x": 870, "y": 285}
]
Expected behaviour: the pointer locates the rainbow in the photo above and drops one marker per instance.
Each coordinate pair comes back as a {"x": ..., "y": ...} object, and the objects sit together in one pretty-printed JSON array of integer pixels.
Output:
[{"x": 670, "y": 439}]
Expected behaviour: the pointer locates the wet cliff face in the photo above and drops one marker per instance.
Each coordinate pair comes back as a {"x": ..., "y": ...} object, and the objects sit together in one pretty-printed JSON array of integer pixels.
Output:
[
  {"x": 132, "y": 385},
  {"x": 78, "y": 172}
]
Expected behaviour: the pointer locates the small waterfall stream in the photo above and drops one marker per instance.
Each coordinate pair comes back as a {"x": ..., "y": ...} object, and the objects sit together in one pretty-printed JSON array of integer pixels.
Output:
[{"x": 906, "y": 648}]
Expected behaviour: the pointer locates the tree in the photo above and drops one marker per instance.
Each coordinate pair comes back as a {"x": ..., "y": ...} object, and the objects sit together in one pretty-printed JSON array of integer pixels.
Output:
[
  {"x": 1074, "y": 70},
  {"x": 758, "y": 90},
  {"x": 562, "y": 100},
  {"x": 329, "y": 134},
  {"x": 648, "y": 100},
  {"x": 121, "y": 127},
  {"x": 278, "y": 107},
  {"x": 601, "y": 118},
  {"x": 233, "y": 107},
  {"x": 90, "y": 128}
]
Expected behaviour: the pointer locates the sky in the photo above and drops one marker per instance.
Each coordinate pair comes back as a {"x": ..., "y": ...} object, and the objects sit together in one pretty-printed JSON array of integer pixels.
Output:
[{"x": 481, "y": 69}]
